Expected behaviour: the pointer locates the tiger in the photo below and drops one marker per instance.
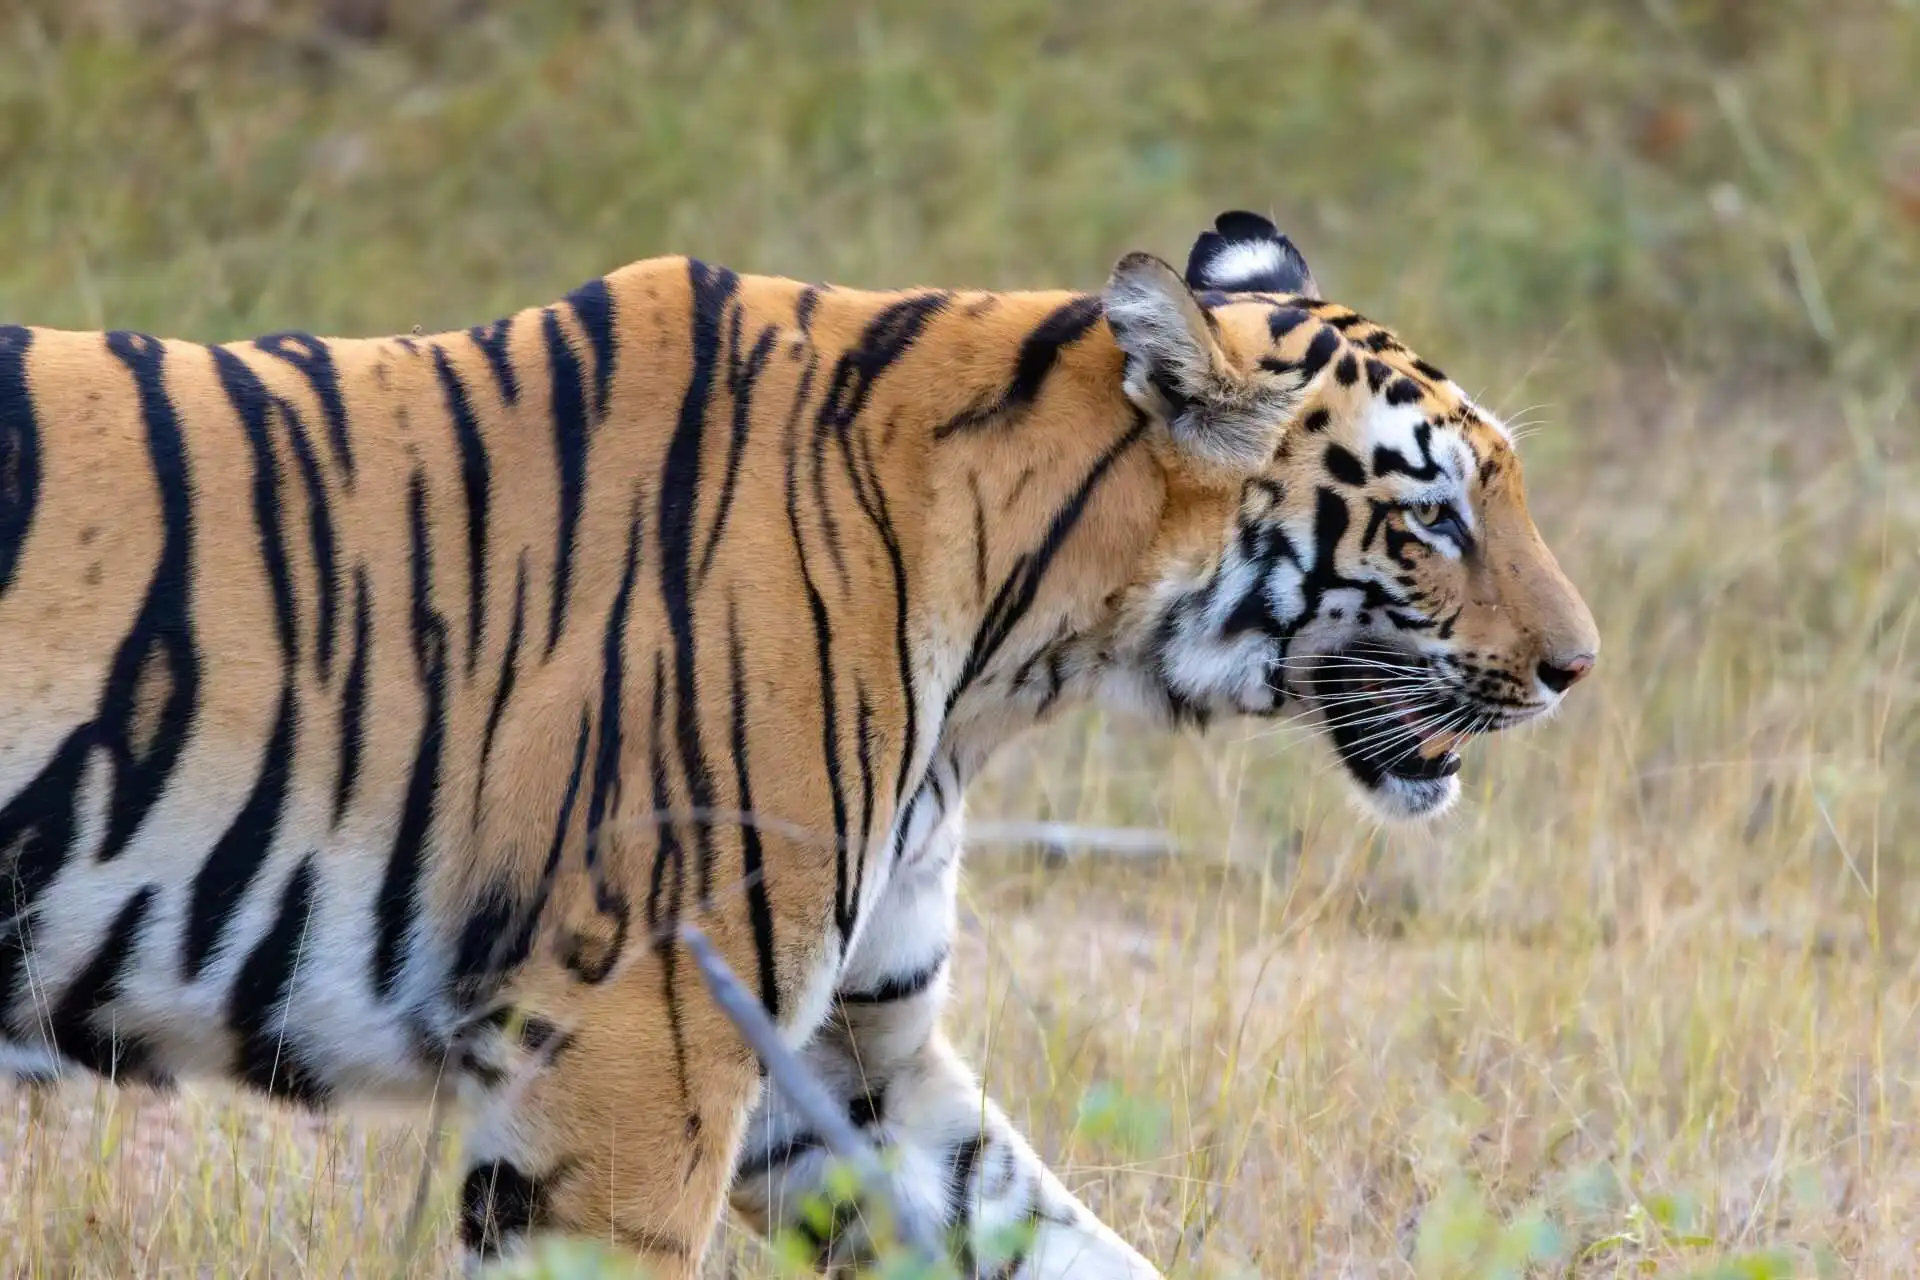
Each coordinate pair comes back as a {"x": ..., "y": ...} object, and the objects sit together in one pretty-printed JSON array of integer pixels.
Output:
[{"x": 375, "y": 712}]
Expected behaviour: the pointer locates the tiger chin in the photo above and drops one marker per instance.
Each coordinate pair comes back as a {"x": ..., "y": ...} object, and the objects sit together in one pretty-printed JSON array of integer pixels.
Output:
[{"x": 373, "y": 711}]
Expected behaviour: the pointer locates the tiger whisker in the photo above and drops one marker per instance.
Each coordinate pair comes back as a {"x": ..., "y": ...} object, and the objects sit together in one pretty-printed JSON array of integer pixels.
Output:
[
  {"x": 1379, "y": 742},
  {"x": 1363, "y": 718},
  {"x": 1427, "y": 735}
]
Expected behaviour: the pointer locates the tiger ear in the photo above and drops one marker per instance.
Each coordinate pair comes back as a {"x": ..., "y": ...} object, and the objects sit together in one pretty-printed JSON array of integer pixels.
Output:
[
  {"x": 1177, "y": 370},
  {"x": 1246, "y": 253}
]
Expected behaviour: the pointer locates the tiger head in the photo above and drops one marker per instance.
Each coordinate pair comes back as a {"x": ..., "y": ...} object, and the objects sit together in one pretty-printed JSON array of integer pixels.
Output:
[{"x": 1346, "y": 533}]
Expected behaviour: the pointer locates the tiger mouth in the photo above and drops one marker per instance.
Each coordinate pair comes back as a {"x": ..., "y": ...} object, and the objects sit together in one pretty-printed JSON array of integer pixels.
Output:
[{"x": 1381, "y": 730}]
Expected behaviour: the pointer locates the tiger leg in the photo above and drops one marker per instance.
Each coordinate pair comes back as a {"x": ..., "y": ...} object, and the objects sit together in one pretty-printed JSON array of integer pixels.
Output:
[
  {"x": 960, "y": 1165},
  {"x": 616, "y": 1118}
]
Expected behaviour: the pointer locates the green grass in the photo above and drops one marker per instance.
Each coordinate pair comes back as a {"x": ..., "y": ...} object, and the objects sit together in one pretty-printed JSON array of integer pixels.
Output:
[{"x": 1646, "y": 1004}]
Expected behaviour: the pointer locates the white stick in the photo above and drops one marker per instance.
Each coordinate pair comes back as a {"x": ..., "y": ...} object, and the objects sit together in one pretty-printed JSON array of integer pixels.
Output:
[{"x": 803, "y": 1091}]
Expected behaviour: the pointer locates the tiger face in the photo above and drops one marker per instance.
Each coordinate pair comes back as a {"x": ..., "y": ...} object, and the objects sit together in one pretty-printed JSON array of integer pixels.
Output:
[{"x": 1346, "y": 533}]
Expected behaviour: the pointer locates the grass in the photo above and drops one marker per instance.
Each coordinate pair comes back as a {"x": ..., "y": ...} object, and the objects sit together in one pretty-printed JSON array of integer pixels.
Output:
[{"x": 1647, "y": 1003}]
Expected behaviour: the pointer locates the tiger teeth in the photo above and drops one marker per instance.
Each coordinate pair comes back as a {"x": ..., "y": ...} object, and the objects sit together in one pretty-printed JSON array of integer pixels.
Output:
[{"x": 1440, "y": 744}]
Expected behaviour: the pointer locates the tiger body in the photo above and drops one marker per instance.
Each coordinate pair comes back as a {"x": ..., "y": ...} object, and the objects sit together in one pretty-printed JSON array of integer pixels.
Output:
[
  {"x": 373, "y": 710},
  {"x": 450, "y": 627}
]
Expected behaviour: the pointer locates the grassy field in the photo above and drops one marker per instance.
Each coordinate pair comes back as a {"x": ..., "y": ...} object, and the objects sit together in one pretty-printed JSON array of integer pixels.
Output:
[{"x": 1645, "y": 1004}]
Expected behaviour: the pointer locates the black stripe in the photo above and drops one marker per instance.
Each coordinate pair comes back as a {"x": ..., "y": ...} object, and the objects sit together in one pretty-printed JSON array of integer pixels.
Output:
[
  {"x": 496, "y": 925},
  {"x": 105, "y": 1050},
  {"x": 803, "y": 309},
  {"x": 1325, "y": 342},
  {"x": 979, "y": 538},
  {"x": 823, "y": 656},
  {"x": 498, "y": 935},
  {"x": 1344, "y": 467},
  {"x": 711, "y": 288},
  {"x": 38, "y": 825},
  {"x": 863, "y": 755},
  {"x": 492, "y": 341},
  {"x": 1016, "y": 593},
  {"x": 19, "y": 452},
  {"x": 486, "y": 938},
  {"x": 1020, "y": 483},
  {"x": 256, "y": 1008},
  {"x": 903, "y": 824},
  {"x": 742, "y": 376},
  {"x": 664, "y": 926},
  {"x": 353, "y": 699},
  {"x": 1041, "y": 350},
  {"x": 509, "y": 676},
  {"x": 1284, "y": 320},
  {"x": 499, "y": 1204},
  {"x": 606, "y": 773},
  {"x": 961, "y": 1161},
  {"x": 314, "y": 359},
  {"x": 594, "y": 306},
  {"x": 823, "y": 507},
  {"x": 320, "y": 537},
  {"x": 899, "y": 986},
  {"x": 604, "y": 796},
  {"x": 395, "y": 906},
  {"x": 888, "y": 337},
  {"x": 781, "y": 1153},
  {"x": 162, "y": 634},
  {"x": 1039, "y": 353},
  {"x": 869, "y": 1108},
  {"x": 37, "y": 830},
  {"x": 1404, "y": 390},
  {"x": 667, "y": 842},
  {"x": 1331, "y": 520},
  {"x": 475, "y": 476},
  {"x": 1392, "y": 462},
  {"x": 570, "y": 455},
  {"x": 752, "y": 865},
  {"x": 823, "y": 644},
  {"x": 536, "y": 1034},
  {"x": 251, "y": 405},
  {"x": 873, "y": 501},
  {"x": 564, "y": 822},
  {"x": 225, "y": 876}
]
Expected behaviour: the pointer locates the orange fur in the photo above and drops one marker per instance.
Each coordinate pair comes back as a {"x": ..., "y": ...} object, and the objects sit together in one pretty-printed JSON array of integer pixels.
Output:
[{"x": 1018, "y": 523}]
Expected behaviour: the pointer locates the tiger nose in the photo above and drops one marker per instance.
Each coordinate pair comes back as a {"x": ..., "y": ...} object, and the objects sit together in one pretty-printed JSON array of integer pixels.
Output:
[{"x": 1561, "y": 674}]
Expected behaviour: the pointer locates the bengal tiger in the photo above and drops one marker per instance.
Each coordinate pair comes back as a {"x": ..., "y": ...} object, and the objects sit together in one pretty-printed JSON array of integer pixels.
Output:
[{"x": 371, "y": 709}]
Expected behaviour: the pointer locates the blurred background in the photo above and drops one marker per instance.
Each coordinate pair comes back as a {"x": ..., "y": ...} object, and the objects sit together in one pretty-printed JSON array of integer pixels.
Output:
[{"x": 1645, "y": 1003}]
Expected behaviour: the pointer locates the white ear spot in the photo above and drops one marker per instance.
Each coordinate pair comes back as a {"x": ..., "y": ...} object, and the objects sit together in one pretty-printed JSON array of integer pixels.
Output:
[
  {"x": 1245, "y": 253},
  {"x": 1244, "y": 262}
]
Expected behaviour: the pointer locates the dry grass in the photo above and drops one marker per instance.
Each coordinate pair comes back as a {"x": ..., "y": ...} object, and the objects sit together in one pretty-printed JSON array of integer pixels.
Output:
[{"x": 1649, "y": 998}]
